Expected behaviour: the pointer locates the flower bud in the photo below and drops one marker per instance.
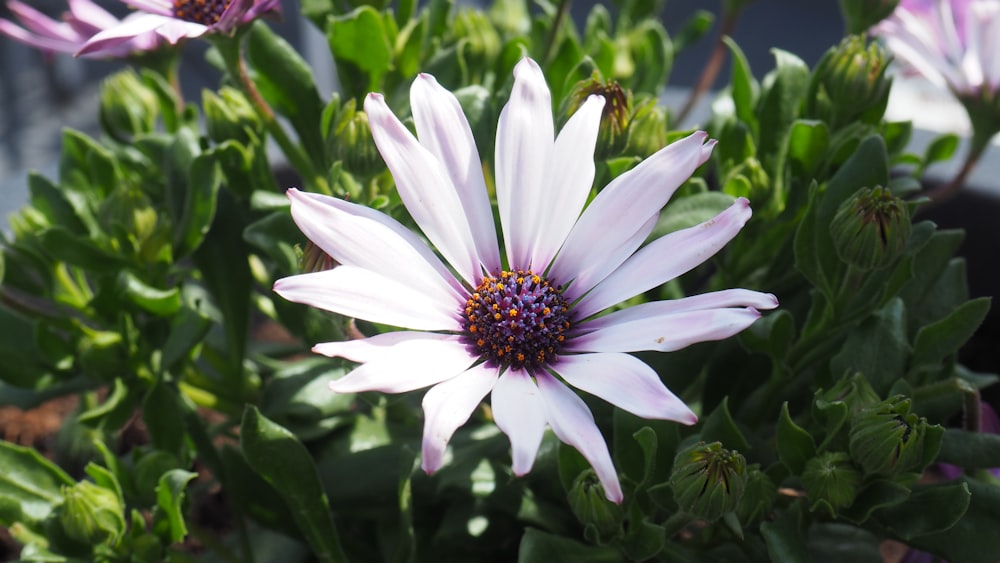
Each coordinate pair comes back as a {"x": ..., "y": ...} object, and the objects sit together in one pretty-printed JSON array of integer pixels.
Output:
[
  {"x": 887, "y": 439},
  {"x": 871, "y": 229},
  {"x": 230, "y": 115},
  {"x": 849, "y": 83},
  {"x": 91, "y": 514},
  {"x": 758, "y": 496},
  {"x": 591, "y": 506},
  {"x": 862, "y": 14},
  {"x": 854, "y": 391},
  {"x": 128, "y": 106},
  {"x": 831, "y": 481},
  {"x": 615, "y": 118},
  {"x": 708, "y": 481},
  {"x": 480, "y": 40},
  {"x": 313, "y": 259},
  {"x": 355, "y": 146},
  {"x": 647, "y": 133}
]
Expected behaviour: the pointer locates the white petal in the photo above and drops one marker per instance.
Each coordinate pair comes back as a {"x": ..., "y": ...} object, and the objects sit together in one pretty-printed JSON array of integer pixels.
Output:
[
  {"x": 357, "y": 235},
  {"x": 712, "y": 300},
  {"x": 665, "y": 333},
  {"x": 425, "y": 189},
  {"x": 162, "y": 7},
  {"x": 570, "y": 176},
  {"x": 519, "y": 413},
  {"x": 407, "y": 366},
  {"x": 447, "y": 406},
  {"x": 622, "y": 209},
  {"x": 367, "y": 349},
  {"x": 524, "y": 146},
  {"x": 90, "y": 14},
  {"x": 573, "y": 423},
  {"x": 363, "y": 294},
  {"x": 444, "y": 130},
  {"x": 666, "y": 258},
  {"x": 626, "y": 382},
  {"x": 132, "y": 26}
]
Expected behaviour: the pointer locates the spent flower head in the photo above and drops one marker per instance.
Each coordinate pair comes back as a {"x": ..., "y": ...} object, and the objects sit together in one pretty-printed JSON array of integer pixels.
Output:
[
  {"x": 75, "y": 27},
  {"x": 175, "y": 20},
  {"x": 521, "y": 326}
]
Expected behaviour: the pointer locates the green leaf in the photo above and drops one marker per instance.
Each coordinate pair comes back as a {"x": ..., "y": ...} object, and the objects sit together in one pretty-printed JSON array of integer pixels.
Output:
[
  {"x": 971, "y": 450},
  {"x": 972, "y": 539},
  {"x": 939, "y": 340},
  {"x": 542, "y": 547},
  {"x": 878, "y": 348},
  {"x": 160, "y": 410},
  {"x": 928, "y": 509},
  {"x": 196, "y": 217},
  {"x": 772, "y": 334},
  {"x": 690, "y": 211},
  {"x": 720, "y": 427},
  {"x": 942, "y": 148},
  {"x": 50, "y": 201},
  {"x": 30, "y": 486},
  {"x": 188, "y": 328},
  {"x": 783, "y": 89},
  {"x": 644, "y": 450},
  {"x": 807, "y": 145},
  {"x": 879, "y": 494},
  {"x": 277, "y": 456},
  {"x": 67, "y": 247},
  {"x": 170, "y": 499},
  {"x": 21, "y": 360},
  {"x": 693, "y": 29},
  {"x": 162, "y": 302},
  {"x": 784, "y": 538},
  {"x": 361, "y": 39},
  {"x": 795, "y": 445},
  {"x": 744, "y": 87}
]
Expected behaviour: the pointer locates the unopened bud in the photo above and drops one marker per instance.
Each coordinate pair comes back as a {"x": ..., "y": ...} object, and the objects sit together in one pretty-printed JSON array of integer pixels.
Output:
[
  {"x": 831, "y": 481},
  {"x": 314, "y": 259},
  {"x": 887, "y": 439},
  {"x": 230, "y": 115},
  {"x": 589, "y": 503},
  {"x": 647, "y": 132},
  {"x": 128, "y": 107},
  {"x": 708, "y": 480},
  {"x": 355, "y": 146},
  {"x": 850, "y": 84},
  {"x": 871, "y": 229},
  {"x": 91, "y": 514},
  {"x": 615, "y": 118}
]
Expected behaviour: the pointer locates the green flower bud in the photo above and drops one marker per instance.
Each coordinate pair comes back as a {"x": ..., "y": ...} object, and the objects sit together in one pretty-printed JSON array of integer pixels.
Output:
[
  {"x": 615, "y": 118},
  {"x": 481, "y": 44},
  {"x": 758, "y": 496},
  {"x": 102, "y": 355},
  {"x": 850, "y": 84},
  {"x": 127, "y": 215},
  {"x": 871, "y": 229},
  {"x": 355, "y": 146},
  {"x": 887, "y": 439},
  {"x": 590, "y": 505},
  {"x": 230, "y": 115},
  {"x": 831, "y": 481},
  {"x": 647, "y": 132},
  {"x": 862, "y": 14},
  {"x": 128, "y": 106},
  {"x": 91, "y": 514},
  {"x": 708, "y": 481},
  {"x": 313, "y": 259},
  {"x": 854, "y": 391}
]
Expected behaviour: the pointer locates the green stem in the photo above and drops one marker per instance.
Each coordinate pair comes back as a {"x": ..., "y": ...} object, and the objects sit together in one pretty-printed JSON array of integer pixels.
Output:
[
  {"x": 229, "y": 47},
  {"x": 712, "y": 67},
  {"x": 550, "y": 43},
  {"x": 676, "y": 523},
  {"x": 950, "y": 189}
]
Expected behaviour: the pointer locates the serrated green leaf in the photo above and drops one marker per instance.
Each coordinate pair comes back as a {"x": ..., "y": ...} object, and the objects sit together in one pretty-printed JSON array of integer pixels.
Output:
[
  {"x": 876, "y": 495},
  {"x": 361, "y": 39},
  {"x": 939, "y": 340},
  {"x": 928, "y": 509},
  {"x": 877, "y": 348},
  {"x": 170, "y": 499},
  {"x": 204, "y": 180},
  {"x": 281, "y": 460},
  {"x": 971, "y": 539},
  {"x": 782, "y": 92},
  {"x": 808, "y": 142},
  {"x": 30, "y": 486},
  {"x": 744, "y": 87},
  {"x": 721, "y": 427},
  {"x": 795, "y": 445}
]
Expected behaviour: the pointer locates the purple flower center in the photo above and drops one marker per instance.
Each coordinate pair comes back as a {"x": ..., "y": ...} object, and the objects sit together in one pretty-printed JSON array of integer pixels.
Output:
[
  {"x": 517, "y": 320},
  {"x": 205, "y": 12}
]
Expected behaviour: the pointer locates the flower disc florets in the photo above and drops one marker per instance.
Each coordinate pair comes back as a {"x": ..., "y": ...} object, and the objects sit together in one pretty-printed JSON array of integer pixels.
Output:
[
  {"x": 205, "y": 12},
  {"x": 517, "y": 319}
]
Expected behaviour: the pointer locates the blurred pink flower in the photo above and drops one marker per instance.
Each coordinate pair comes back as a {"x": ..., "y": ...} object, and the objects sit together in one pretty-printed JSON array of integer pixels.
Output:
[
  {"x": 175, "y": 20},
  {"x": 83, "y": 20},
  {"x": 526, "y": 326}
]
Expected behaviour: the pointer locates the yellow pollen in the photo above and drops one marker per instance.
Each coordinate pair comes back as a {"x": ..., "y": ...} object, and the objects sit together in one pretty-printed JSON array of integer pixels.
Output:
[
  {"x": 497, "y": 316},
  {"x": 536, "y": 279},
  {"x": 513, "y": 313},
  {"x": 546, "y": 311}
]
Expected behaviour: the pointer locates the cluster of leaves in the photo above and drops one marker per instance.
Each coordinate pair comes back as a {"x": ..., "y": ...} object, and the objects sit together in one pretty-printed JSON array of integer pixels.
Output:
[{"x": 140, "y": 282}]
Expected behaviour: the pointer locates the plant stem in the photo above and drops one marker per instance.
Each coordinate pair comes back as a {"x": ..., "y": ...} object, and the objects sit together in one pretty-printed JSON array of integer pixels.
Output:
[
  {"x": 712, "y": 67},
  {"x": 550, "y": 43},
  {"x": 949, "y": 190}
]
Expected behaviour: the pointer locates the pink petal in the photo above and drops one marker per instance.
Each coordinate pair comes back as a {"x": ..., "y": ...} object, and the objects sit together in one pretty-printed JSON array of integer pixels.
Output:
[
  {"x": 175, "y": 30},
  {"x": 37, "y": 22},
  {"x": 447, "y": 406},
  {"x": 666, "y": 258},
  {"x": 233, "y": 14},
  {"x": 573, "y": 423},
  {"x": 90, "y": 14},
  {"x": 132, "y": 26},
  {"x": 524, "y": 147},
  {"x": 367, "y": 349},
  {"x": 665, "y": 333},
  {"x": 519, "y": 413},
  {"x": 626, "y": 382},
  {"x": 570, "y": 176},
  {"x": 162, "y": 7},
  {"x": 363, "y": 294},
  {"x": 443, "y": 129},
  {"x": 357, "y": 235},
  {"x": 711, "y": 300},
  {"x": 617, "y": 217},
  {"x": 408, "y": 365},
  {"x": 425, "y": 189},
  {"x": 46, "y": 44}
]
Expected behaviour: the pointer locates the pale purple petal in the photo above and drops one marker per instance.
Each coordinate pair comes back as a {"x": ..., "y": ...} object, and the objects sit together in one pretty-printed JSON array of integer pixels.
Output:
[
  {"x": 91, "y": 15},
  {"x": 132, "y": 26},
  {"x": 360, "y": 236},
  {"x": 407, "y": 366},
  {"x": 363, "y": 294},
  {"x": 175, "y": 30},
  {"x": 367, "y": 349},
  {"x": 444, "y": 130},
  {"x": 44, "y": 43},
  {"x": 37, "y": 22},
  {"x": 162, "y": 7},
  {"x": 666, "y": 258},
  {"x": 665, "y": 333},
  {"x": 519, "y": 413},
  {"x": 626, "y": 382},
  {"x": 712, "y": 300},
  {"x": 574, "y": 424},
  {"x": 425, "y": 189},
  {"x": 617, "y": 216},
  {"x": 524, "y": 146},
  {"x": 233, "y": 15},
  {"x": 447, "y": 406},
  {"x": 570, "y": 177}
]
